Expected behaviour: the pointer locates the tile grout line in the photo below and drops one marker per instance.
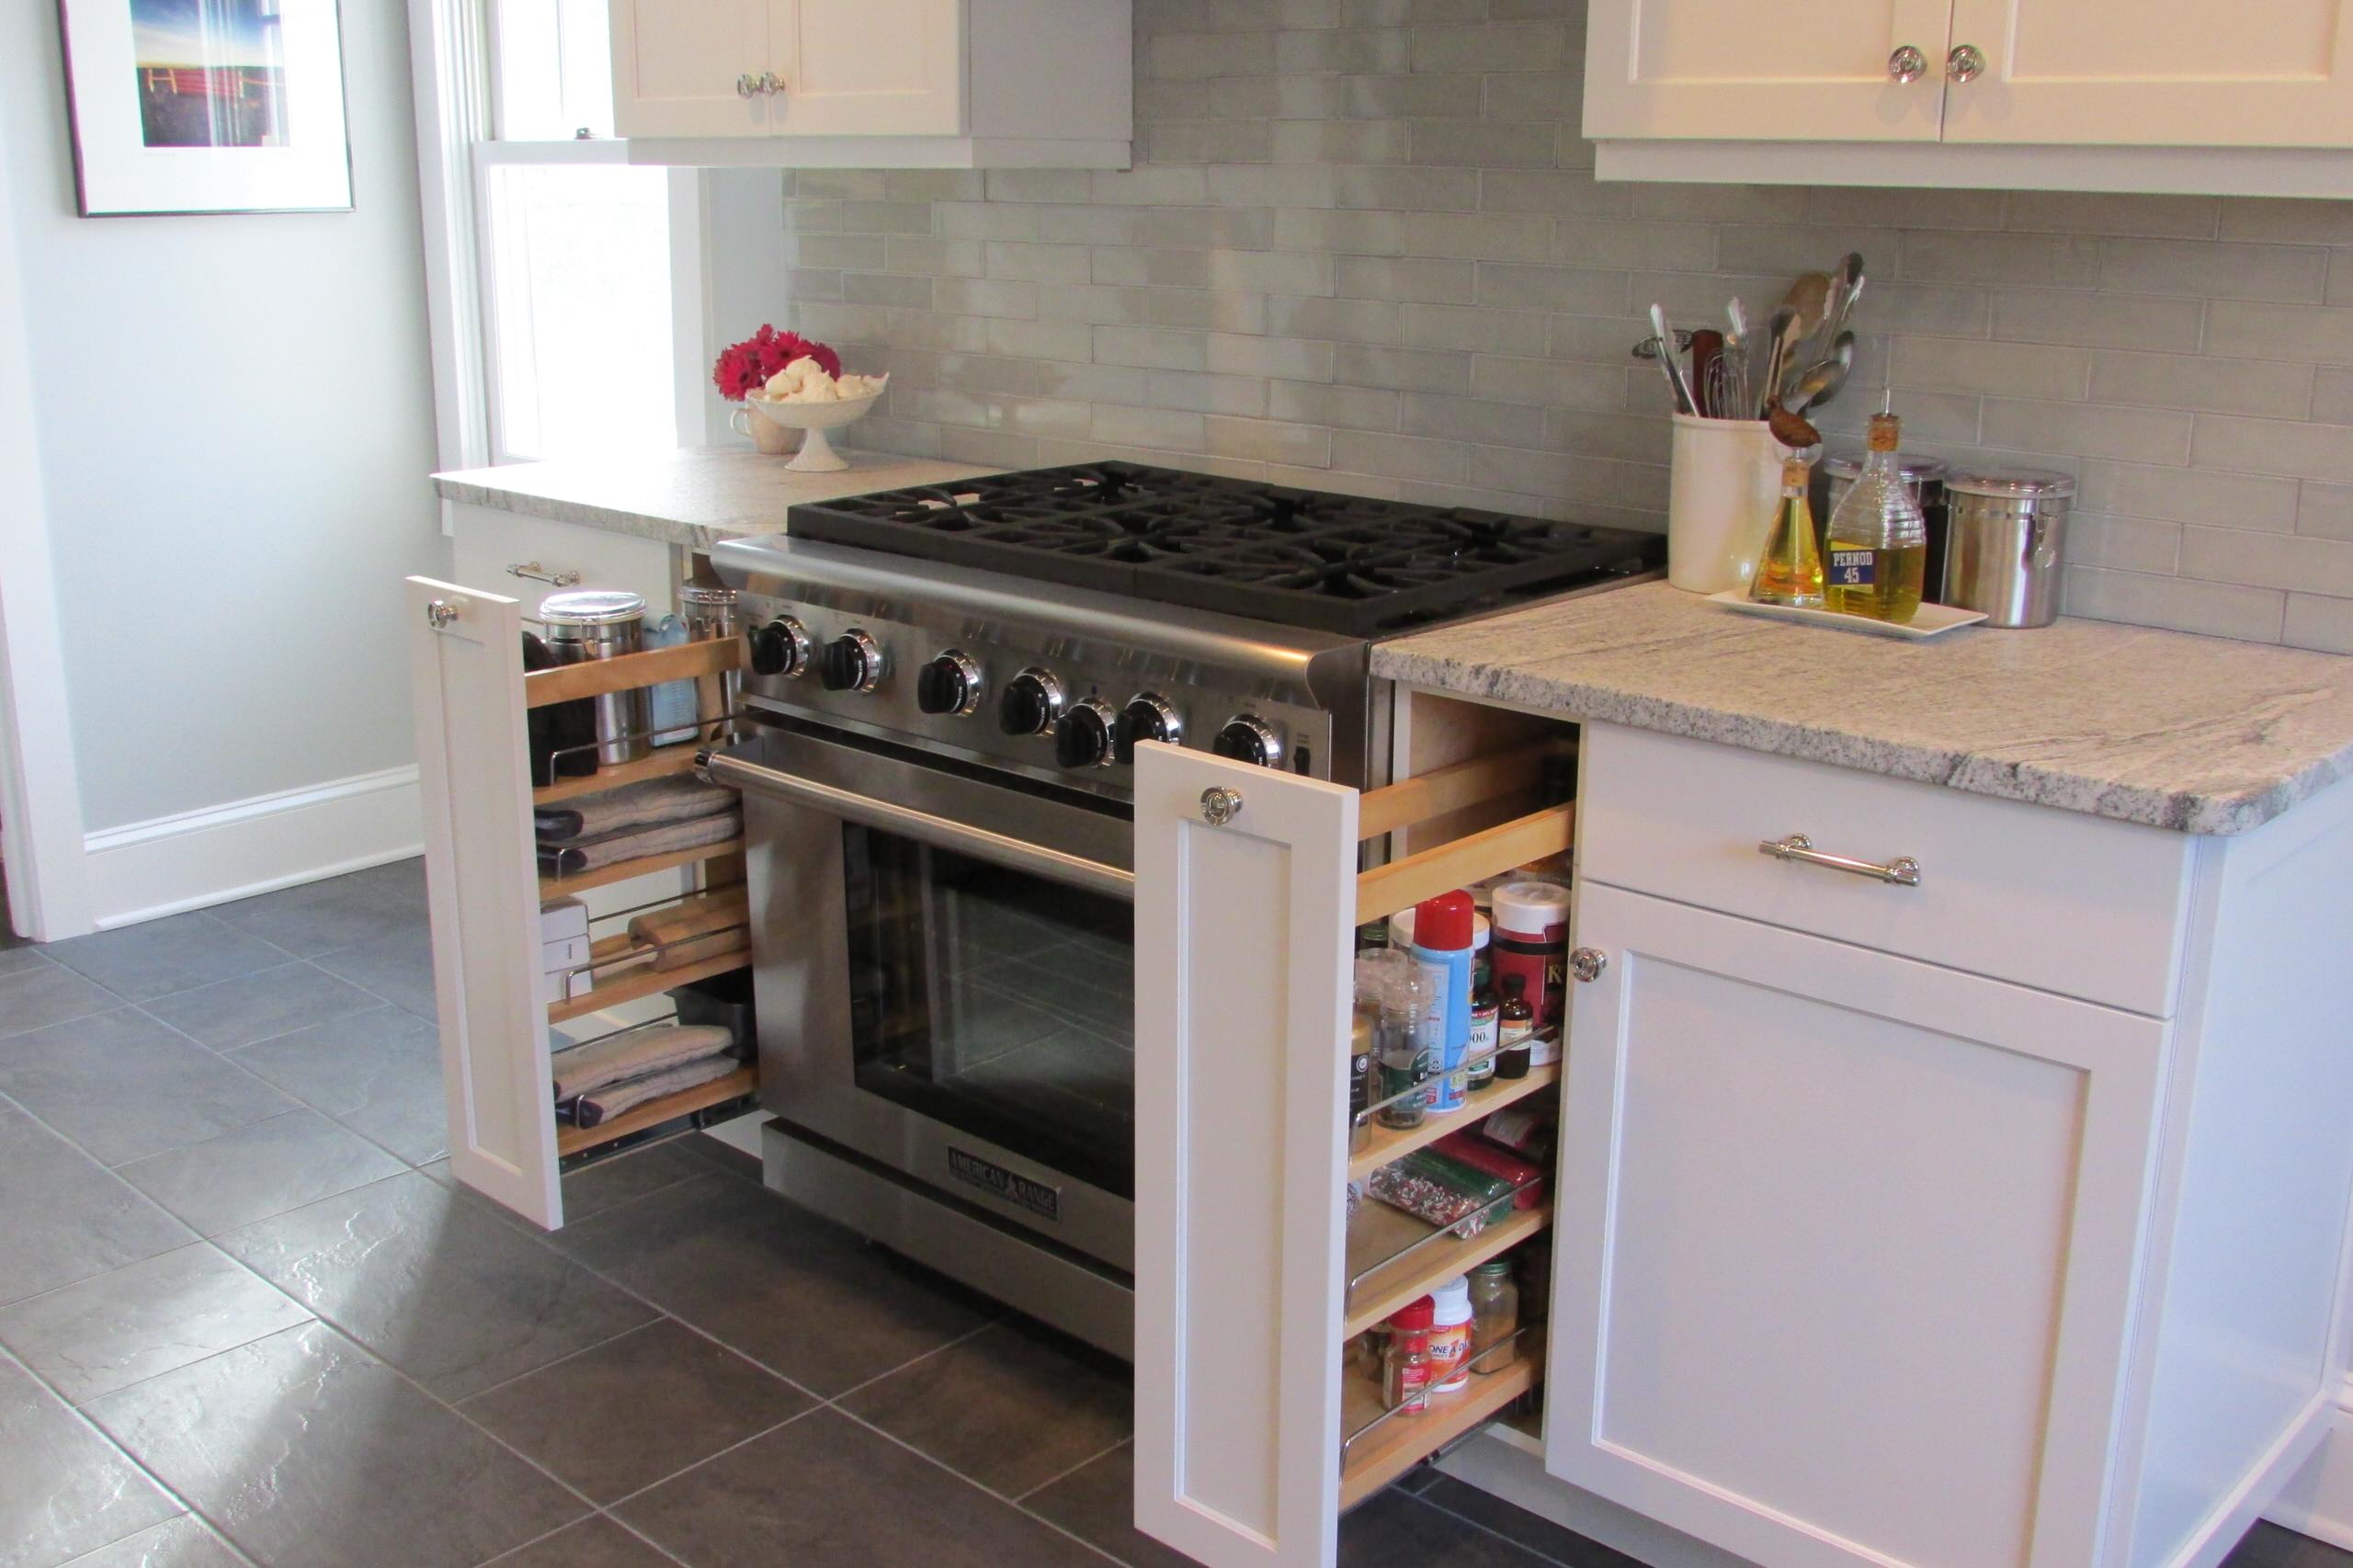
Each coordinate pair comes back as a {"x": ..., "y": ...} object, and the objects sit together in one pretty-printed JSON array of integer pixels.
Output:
[
  {"x": 912, "y": 1360},
  {"x": 1488, "y": 1529},
  {"x": 1061, "y": 1476},
  {"x": 134, "y": 1460},
  {"x": 1012, "y": 1502}
]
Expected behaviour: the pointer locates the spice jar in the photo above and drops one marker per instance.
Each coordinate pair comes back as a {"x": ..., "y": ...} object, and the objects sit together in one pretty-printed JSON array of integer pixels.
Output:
[
  {"x": 1485, "y": 1025},
  {"x": 1402, "y": 1051},
  {"x": 1495, "y": 1316},
  {"x": 1405, "y": 1371},
  {"x": 1515, "y": 1028}
]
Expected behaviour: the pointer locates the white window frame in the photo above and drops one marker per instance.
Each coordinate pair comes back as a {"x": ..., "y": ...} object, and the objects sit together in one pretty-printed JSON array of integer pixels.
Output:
[{"x": 453, "y": 67}]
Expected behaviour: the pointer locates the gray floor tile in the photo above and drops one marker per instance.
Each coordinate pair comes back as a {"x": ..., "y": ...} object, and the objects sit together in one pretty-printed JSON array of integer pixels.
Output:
[
  {"x": 1546, "y": 1540},
  {"x": 112, "y": 1330},
  {"x": 1396, "y": 1530},
  {"x": 378, "y": 1073},
  {"x": 785, "y": 1287},
  {"x": 157, "y": 958},
  {"x": 609, "y": 1183},
  {"x": 15, "y": 953},
  {"x": 258, "y": 1170},
  {"x": 303, "y": 1448},
  {"x": 618, "y": 1418},
  {"x": 1012, "y": 1407},
  {"x": 399, "y": 968},
  {"x": 36, "y": 995},
  {"x": 341, "y": 912},
  {"x": 1097, "y": 1503},
  {"x": 65, "y": 1490},
  {"x": 826, "y": 1492},
  {"x": 266, "y": 1002},
  {"x": 457, "y": 1300},
  {"x": 591, "y": 1543},
  {"x": 123, "y": 1086},
  {"x": 184, "y": 1542},
  {"x": 64, "y": 1217}
]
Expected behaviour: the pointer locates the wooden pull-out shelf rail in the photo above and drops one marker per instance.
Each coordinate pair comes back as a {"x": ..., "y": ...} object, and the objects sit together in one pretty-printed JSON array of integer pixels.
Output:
[{"x": 595, "y": 677}]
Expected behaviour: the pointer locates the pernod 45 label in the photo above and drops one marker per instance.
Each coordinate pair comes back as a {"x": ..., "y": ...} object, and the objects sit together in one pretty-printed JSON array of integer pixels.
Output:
[{"x": 1853, "y": 568}]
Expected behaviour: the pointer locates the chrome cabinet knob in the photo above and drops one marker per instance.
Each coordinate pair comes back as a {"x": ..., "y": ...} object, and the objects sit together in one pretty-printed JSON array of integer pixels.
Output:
[
  {"x": 1965, "y": 63},
  {"x": 439, "y": 614},
  {"x": 1219, "y": 805},
  {"x": 1587, "y": 963},
  {"x": 772, "y": 82},
  {"x": 746, "y": 84},
  {"x": 1907, "y": 65}
]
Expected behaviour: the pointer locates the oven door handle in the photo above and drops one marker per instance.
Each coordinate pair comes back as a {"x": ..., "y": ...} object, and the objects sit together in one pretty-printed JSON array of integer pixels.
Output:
[{"x": 941, "y": 832}]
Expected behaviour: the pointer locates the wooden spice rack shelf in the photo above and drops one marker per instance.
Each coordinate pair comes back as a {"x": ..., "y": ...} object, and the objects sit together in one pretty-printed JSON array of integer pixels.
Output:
[
  {"x": 736, "y": 1086},
  {"x": 1379, "y": 1231},
  {"x": 644, "y": 865},
  {"x": 1388, "y": 1144},
  {"x": 632, "y": 985},
  {"x": 1398, "y": 1444},
  {"x": 665, "y": 762}
]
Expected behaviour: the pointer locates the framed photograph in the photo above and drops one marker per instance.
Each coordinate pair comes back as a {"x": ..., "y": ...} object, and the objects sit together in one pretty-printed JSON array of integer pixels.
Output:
[{"x": 207, "y": 106}]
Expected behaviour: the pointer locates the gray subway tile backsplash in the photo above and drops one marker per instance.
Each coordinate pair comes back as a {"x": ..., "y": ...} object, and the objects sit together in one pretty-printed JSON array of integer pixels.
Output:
[{"x": 1364, "y": 249}]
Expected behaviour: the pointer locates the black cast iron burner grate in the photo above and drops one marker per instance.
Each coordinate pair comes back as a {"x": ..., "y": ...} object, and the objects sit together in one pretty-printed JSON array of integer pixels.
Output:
[{"x": 1344, "y": 563}]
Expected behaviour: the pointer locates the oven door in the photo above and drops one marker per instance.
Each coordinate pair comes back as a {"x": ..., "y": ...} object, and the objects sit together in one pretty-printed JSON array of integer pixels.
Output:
[{"x": 944, "y": 974}]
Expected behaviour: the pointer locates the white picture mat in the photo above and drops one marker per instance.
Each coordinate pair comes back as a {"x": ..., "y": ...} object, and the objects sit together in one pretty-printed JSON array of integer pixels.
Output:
[{"x": 120, "y": 173}]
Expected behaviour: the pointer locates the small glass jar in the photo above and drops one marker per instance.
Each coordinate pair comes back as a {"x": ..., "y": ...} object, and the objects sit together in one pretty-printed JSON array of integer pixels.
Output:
[
  {"x": 1495, "y": 1316},
  {"x": 1402, "y": 1054},
  {"x": 1405, "y": 1376}
]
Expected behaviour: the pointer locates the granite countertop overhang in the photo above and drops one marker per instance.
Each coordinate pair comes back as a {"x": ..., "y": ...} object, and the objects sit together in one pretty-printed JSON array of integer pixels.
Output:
[
  {"x": 694, "y": 498},
  {"x": 2198, "y": 734}
]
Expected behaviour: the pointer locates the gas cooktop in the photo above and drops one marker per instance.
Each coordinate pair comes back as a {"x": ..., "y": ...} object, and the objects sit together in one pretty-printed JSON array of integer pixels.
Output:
[{"x": 1343, "y": 564}]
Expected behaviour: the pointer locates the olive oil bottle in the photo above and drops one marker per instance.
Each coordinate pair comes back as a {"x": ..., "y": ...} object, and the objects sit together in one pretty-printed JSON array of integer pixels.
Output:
[
  {"x": 1878, "y": 547},
  {"x": 1789, "y": 571}
]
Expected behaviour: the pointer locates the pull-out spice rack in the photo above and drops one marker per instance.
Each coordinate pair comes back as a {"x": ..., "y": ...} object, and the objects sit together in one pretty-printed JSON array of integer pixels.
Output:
[{"x": 1252, "y": 1435}]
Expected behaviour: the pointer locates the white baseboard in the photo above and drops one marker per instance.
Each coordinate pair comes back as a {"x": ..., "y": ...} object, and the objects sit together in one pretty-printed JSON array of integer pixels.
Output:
[
  {"x": 145, "y": 870},
  {"x": 2319, "y": 1502}
]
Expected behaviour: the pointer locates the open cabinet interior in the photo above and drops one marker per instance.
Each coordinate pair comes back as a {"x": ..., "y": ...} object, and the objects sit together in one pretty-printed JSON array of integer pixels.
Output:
[
  {"x": 1266, "y": 1252},
  {"x": 546, "y": 946}
]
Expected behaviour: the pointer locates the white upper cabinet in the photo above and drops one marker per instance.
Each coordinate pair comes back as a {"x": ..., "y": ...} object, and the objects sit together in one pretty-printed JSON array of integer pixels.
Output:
[
  {"x": 868, "y": 67},
  {"x": 1708, "y": 68},
  {"x": 876, "y": 84},
  {"x": 2080, "y": 95},
  {"x": 689, "y": 67},
  {"x": 2134, "y": 72}
]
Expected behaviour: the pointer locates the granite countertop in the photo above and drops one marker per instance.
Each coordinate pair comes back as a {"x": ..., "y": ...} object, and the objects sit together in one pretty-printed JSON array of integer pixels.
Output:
[
  {"x": 694, "y": 498},
  {"x": 2199, "y": 734}
]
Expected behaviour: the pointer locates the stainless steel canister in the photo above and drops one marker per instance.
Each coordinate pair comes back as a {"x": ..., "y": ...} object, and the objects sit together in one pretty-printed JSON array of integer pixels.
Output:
[
  {"x": 585, "y": 624},
  {"x": 2007, "y": 530},
  {"x": 1924, "y": 477},
  {"x": 710, "y": 617}
]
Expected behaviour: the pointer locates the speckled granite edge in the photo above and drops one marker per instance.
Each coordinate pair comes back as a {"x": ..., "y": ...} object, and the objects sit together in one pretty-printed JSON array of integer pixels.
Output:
[
  {"x": 2182, "y": 811},
  {"x": 612, "y": 520}
]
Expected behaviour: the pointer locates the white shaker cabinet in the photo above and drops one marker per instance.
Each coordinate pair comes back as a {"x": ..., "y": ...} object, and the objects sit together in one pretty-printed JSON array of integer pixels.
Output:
[
  {"x": 2089, "y": 94},
  {"x": 1717, "y": 69},
  {"x": 1847, "y": 1244},
  {"x": 882, "y": 83},
  {"x": 1876, "y": 1247}
]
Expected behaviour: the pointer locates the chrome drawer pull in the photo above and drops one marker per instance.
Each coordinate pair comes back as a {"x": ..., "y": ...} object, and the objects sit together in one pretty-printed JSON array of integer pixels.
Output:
[
  {"x": 1903, "y": 871},
  {"x": 539, "y": 574}
]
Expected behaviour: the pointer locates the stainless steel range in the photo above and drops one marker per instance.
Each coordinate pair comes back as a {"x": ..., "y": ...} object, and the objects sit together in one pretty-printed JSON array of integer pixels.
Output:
[{"x": 951, "y": 684}]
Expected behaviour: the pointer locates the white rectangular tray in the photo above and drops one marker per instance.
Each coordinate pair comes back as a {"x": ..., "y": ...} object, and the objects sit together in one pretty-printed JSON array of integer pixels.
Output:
[{"x": 1931, "y": 621}]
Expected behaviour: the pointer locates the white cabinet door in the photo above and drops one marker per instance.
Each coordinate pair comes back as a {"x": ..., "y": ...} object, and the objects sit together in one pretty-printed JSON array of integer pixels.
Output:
[
  {"x": 2155, "y": 72},
  {"x": 1846, "y": 1245},
  {"x": 1725, "y": 70},
  {"x": 868, "y": 67},
  {"x": 1242, "y": 978},
  {"x": 466, "y": 673},
  {"x": 677, "y": 65}
]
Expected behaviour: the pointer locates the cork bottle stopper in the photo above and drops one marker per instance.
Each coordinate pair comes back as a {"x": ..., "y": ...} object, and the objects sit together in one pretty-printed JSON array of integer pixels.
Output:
[
  {"x": 1793, "y": 473},
  {"x": 1882, "y": 432}
]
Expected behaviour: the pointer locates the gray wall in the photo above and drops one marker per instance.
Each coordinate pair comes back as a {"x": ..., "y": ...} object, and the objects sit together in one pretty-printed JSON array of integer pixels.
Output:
[
  {"x": 1363, "y": 249},
  {"x": 234, "y": 420}
]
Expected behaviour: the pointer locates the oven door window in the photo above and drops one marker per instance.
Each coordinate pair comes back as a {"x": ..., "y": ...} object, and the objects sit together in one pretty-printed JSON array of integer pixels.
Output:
[{"x": 995, "y": 1002}]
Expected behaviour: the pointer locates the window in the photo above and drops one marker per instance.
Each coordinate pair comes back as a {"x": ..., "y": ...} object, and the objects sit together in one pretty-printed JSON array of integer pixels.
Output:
[{"x": 568, "y": 270}]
